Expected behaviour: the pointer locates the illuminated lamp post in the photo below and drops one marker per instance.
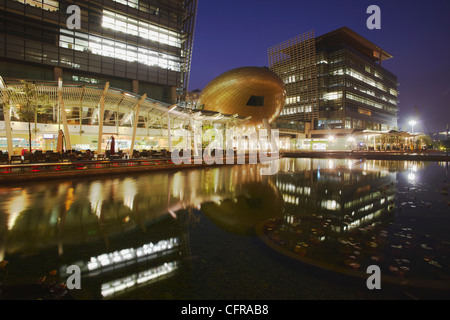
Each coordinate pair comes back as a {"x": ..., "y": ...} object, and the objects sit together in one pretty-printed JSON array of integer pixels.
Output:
[{"x": 412, "y": 123}]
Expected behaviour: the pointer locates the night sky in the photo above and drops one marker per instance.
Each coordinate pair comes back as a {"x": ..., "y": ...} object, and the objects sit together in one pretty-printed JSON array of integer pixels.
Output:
[{"x": 237, "y": 33}]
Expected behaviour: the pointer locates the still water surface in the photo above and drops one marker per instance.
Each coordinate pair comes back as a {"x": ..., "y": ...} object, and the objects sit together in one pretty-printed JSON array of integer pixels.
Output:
[{"x": 191, "y": 234}]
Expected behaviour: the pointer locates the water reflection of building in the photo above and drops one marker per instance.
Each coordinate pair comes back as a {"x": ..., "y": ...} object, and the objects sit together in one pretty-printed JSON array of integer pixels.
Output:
[
  {"x": 118, "y": 231},
  {"x": 346, "y": 194},
  {"x": 123, "y": 232}
]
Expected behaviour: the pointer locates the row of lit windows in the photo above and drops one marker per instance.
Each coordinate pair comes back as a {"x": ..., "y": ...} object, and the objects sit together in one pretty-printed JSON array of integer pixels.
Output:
[
  {"x": 138, "y": 279},
  {"x": 131, "y": 3},
  {"x": 141, "y": 29},
  {"x": 374, "y": 72},
  {"x": 283, "y": 186},
  {"x": 302, "y": 109},
  {"x": 293, "y": 100},
  {"x": 359, "y": 99},
  {"x": 296, "y": 100},
  {"x": 372, "y": 93},
  {"x": 332, "y": 96},
  {"x": 147, "y": 7},
  {"x": 366, "y": 112},
  {"x": 393, "y": 92},
  {"x": 368, "y": 197},
  {"x": 332, "y": 205},
  {"x": 118, "y": 50},
  {"x": 365, "y": 79},
  {"x": 330, "y": 122},
  {"x": 292, "y": 79},
  {"x": 48, "y": 5}
]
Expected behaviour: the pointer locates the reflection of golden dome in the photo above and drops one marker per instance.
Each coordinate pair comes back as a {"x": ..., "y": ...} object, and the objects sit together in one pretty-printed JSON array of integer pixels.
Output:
[
  {"x": 249, "y": 92},
  {"x": 254, "y": 203}
]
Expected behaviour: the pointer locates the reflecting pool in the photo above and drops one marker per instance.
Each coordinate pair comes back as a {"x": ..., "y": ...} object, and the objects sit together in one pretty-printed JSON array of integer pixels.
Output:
[{"x": 228, "y": 232}]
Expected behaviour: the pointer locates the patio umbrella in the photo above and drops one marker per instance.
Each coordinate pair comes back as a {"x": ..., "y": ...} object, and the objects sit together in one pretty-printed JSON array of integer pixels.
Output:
[
  {"x": 113, "y": 145},
  {"x": 59, "y": 145}
]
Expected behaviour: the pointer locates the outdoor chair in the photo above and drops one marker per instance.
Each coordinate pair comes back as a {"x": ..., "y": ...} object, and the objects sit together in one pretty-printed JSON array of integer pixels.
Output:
[
  {"x": 54, "y": 157},
  {"x": 86, "y": 156},
  {"x": 73, "y": 157},
  {"x": 4, "y": 158},
  {"x": 28, "y": 158},
  {"x": 40, "y": 157}
]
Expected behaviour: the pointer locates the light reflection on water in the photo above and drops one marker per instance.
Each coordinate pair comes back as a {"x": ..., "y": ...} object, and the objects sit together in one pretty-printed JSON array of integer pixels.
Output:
[
  {"x": 350, "y": 216},
  {"x": 118, "y": 222}
]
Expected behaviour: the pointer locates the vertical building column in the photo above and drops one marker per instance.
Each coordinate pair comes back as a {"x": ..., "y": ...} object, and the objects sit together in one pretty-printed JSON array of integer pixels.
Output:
[
  {"x": 135, "y": 123},
  {"x": 173, "y": 94},
  {"x": 62, "y": 111},
  {"x": 101, "y": 116},
  {"x": 169, "y": 133},
  {"x": 273, "y": 144},
  {"x": 57, "y": 73},
  {"x": 7, "y": 117},
  {"x": 307, "y": 129},
  {"x": 169, "y": 129},
  {"x": 135, "y": 86}
]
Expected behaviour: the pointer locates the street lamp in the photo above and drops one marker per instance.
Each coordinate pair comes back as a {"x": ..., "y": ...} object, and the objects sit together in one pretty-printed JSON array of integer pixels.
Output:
[{"x": 412, "y": 123}]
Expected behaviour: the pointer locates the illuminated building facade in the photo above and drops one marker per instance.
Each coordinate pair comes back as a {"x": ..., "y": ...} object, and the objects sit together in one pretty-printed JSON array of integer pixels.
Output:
[
  {"x": 138, "y": 50},
  {"x": 335, "y": 82},
  {"x": 140, "y": 46}
]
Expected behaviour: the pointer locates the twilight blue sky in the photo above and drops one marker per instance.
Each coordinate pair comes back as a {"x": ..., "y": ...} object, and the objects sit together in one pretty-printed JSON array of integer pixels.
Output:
[{"x": 236, "y": 33}]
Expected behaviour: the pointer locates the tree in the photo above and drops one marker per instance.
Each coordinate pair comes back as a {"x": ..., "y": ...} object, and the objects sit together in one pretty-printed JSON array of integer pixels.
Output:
[{"x": 30, "y": 103}]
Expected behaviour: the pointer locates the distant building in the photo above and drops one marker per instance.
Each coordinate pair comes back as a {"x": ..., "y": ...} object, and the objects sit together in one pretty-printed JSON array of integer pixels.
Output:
[
  {"x": 335, "y": 82},
  {"x": 139, "y": 46}
]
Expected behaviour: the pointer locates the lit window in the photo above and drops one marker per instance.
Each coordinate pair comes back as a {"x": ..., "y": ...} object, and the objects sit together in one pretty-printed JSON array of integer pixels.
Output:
[
  {"x": 48, "y": 5},
  {"x": 141, "y": 29},
  {"x": 119, "y": 50},
  {"x": 366, "y": 112},
  {"x": 332, "y": 96},
  {"x": 130, "y": 3}
]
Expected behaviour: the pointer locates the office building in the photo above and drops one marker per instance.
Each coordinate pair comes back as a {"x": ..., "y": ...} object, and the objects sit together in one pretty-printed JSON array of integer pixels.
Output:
[
  {"x": 124, "y": 55},
  {"x": 335, "y": 84},
  {"x": 141, "y": 46}
]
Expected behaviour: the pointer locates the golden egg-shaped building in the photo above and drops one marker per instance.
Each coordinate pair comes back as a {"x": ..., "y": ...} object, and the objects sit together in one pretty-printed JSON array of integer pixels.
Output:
[{"x": 254, "y": 92}]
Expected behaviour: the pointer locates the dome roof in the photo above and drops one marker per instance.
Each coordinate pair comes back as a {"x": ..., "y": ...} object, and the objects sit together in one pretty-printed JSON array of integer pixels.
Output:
[{"x": 254, "y": 92}]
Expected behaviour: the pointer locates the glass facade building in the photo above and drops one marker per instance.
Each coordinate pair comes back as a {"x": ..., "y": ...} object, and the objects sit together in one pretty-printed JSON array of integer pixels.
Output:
[
  {"x": 335, "y": 82},
  {"x": 124, "y": 55},
  {"x": 141, "y": 46}
]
